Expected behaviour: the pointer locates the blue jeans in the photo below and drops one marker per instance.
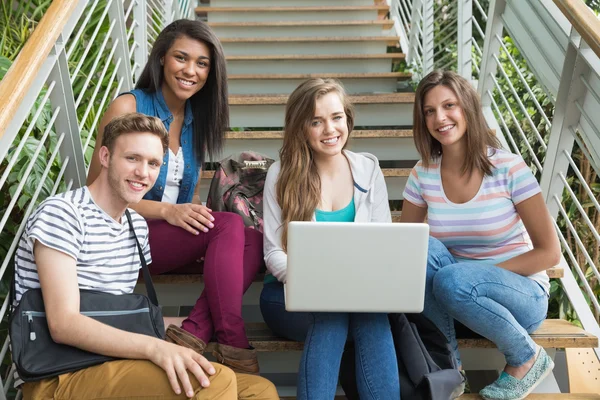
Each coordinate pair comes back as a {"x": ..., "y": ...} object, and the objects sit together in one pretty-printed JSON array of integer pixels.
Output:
[
  {"x": 324, "y": 336},
  {"x": 500, "y": 305}
]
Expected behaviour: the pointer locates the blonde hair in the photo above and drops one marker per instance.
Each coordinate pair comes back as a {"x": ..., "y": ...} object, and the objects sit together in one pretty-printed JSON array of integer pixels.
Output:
[
  {"x": 298, "y": 186},
  {"x": 134, "y": 123},
  {"x": 478, "y": 135}
]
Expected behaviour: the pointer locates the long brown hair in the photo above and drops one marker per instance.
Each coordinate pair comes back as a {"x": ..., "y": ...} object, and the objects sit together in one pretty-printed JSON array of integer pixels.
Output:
[
  {"x": 478, "y": 135},
  {"x": 298, "y": 185}
]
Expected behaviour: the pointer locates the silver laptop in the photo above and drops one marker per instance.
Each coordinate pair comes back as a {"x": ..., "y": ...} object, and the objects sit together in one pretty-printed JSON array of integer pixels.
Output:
[{"x": 356, "y": 267}]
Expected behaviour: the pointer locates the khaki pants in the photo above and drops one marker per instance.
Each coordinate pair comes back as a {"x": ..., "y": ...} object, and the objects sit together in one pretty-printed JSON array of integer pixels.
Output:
[{"x": 139, "y": 379}]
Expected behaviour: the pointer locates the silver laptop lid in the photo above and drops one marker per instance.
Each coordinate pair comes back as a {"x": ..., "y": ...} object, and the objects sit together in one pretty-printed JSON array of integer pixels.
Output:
[{"x": 356, "y": 267}]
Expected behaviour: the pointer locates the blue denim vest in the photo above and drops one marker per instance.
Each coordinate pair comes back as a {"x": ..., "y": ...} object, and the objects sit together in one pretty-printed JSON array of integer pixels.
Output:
[{"x": 154, "y": 104}]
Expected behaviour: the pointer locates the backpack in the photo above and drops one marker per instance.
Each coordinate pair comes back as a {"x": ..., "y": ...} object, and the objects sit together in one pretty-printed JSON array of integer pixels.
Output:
[
  {"x": 237, "y": 187},
  {"x": 427, "y": 369}
]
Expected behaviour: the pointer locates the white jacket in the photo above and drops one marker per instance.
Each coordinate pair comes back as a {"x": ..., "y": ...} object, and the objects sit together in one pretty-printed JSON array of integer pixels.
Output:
[{"x": 370, "y": 202}]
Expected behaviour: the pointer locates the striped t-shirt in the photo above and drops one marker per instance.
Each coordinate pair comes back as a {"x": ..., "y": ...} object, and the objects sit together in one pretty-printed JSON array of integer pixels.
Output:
[
  {"x": 105, "y": 250},
  {"x": 487, "y": 227}
]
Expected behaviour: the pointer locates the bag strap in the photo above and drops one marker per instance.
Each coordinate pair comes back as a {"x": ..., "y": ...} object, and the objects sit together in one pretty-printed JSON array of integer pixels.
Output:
[{"x": 147, "y": 278}]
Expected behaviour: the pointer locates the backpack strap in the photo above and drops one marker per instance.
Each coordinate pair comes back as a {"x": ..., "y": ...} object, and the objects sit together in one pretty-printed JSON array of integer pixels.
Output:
[{"x": 146, "y": 272}]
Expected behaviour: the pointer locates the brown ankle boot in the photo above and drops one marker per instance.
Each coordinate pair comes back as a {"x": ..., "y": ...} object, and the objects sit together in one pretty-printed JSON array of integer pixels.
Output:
[
  {"x": 183, "y": 338},
  {"x": 239, "y": 360}
]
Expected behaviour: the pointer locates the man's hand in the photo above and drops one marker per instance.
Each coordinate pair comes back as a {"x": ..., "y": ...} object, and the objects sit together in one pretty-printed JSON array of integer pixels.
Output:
[
  {"x": 176, "y": 361},
  {"x": 191, "y": 217}
]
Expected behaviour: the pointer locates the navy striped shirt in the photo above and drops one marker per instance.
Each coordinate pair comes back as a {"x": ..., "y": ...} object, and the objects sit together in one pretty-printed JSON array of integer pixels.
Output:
[{"x": 105, "y": 250}]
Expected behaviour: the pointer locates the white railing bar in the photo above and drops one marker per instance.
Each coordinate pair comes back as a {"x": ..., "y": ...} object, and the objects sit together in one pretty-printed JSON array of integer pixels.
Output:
[
  {"x": 589, "y": 88},
  {"x": 476, "y": 68},
  {"x": 522, "y": 78},
  {"x": 153, "y": 30},
  {"x": 60, "y": 175},
  {"x": 563, "y": 212},
  {"x": 483, "y": 14},
  {"x": 134, "y": 69},
  {"x": 520, "y": 103},
  {"x": 439, "y": 60},
  {"x": 81, "y": 29},
  {"x": 508, "y": 135},
  {"x": 102, "y": 102},
  {"x": 26, "y": 135},
  {"x": 129, "y": 10},
  {"x": 420, "y": 47},
  {"x": 580, "y": 208},
  {"x": 451, "y": 12},
  {"x": 582, "y": 179},
  {"x": 478, "y": 28},
  {"x": 516, "y": 122},
  {"x": 408, "y": 12},
  {"x": 133, "y": 47},
  {"x": 91, "y": 43},
  {"x": 9, "y": 379},
  {"x": 474, "y": 42},
  {"x": 530, "y": 34},
  {"x": 447, "y": 64},
  {"x": 577, "y": 267},
  {"x": 30, "y": 208},
  {"x": 30, "y": 166},
  {"x": 583, "y": 249},
  {"x": 131, "y": 29},
  {"x": 19, "y": 395},
  {"x": 157, "y": 5},
  {"x": 4, "y": 348},
  {"x": 451, "y": 25},
  {"x": 92, "y": 71},
  {"x": 4, "y": 307},
  {"x": 582, "y": 147},
  {"x": 587, "y": 118},
  {"x": 97, "y": 88},
  {"x": 453, "y": 32},
  {"x": 403, "y": 18}
]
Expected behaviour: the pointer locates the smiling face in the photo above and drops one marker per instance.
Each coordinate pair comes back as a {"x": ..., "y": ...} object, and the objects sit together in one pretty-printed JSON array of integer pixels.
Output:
[
  {"x": 186, "y": 66},
  {"x": 328, "y": 131},
  {"x": 444, "y": 116},
  {"x": 133, "y": 166}
]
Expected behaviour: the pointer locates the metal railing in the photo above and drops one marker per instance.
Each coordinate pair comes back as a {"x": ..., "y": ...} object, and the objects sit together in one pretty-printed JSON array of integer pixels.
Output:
[
  {"x": 537, "y": 69},
  {"x": 79, "y": 58}
]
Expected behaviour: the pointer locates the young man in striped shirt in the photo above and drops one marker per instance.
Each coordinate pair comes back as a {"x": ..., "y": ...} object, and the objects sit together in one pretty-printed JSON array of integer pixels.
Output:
[{"x": 80, "y": 240}]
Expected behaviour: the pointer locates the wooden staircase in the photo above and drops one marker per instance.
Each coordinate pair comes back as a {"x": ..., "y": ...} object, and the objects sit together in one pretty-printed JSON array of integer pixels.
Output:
[{"x": 270, "y": 50}]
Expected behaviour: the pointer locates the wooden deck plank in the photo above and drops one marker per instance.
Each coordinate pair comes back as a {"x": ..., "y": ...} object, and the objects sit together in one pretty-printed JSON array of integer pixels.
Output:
[
  {"x": 189, "y": 278},
  {"x": 553, "y": 333},
  {"x": 299, "y": 57},
  {"x": 385, "y": 23},
  {"x": 281, "y": 99},
  {"x": 389, "y": 40},
  {"x": 205, "y": 9},
  {"x": 356, "y": 134},
  {"x": 362, "y": 75}
]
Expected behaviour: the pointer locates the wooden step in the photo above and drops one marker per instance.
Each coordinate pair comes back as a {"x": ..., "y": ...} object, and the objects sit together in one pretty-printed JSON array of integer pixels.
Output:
[
  {"x": 302, "y": 57},
  {"x": 544, "y": 396},
  {"x": 387, "y": 172},
  {"x": 366, "y": 75},
  {"x": 357, "y": 134},
  {"x": 384, "y": 23},
  {"x": 281, "y": 99},
  {"x": 554, "y": 333},
  {"x": 389, "y": 40},
  {"x": 382, "y": 10},
  {"x": 176, "y": 279}
]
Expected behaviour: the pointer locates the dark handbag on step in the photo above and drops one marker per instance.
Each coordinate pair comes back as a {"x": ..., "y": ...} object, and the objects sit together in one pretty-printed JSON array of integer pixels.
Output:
[
  {"x": 37, "y": 356},
  {"x": 426, "y": 366}
]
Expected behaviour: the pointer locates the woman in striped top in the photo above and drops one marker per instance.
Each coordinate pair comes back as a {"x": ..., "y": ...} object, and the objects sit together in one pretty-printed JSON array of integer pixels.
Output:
[{"x": 492, "y": 237}]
